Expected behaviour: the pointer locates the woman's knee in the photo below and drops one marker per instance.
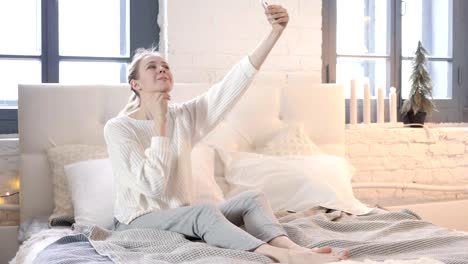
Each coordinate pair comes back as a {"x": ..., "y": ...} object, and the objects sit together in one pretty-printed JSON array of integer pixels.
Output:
[
  {"x": 254, "y": 197},
  {"x": 207, "y": 209}
]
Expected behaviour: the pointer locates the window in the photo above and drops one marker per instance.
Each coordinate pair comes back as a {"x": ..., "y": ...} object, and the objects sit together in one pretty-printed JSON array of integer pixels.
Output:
[
  {"x": 376, "y": 39},
  {"x": 69, "y": 41}
]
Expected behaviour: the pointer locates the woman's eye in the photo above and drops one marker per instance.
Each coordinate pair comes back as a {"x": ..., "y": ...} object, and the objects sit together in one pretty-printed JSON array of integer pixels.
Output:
[{"x": 166, "y": 67}]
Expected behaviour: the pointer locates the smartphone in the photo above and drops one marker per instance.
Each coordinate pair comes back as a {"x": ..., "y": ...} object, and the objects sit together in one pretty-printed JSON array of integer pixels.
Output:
[{"x": 264, "y": 3}]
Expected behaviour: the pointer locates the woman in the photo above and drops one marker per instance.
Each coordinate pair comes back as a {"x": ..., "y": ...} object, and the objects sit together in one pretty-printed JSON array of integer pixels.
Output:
[{"x": 149, "y": 146}]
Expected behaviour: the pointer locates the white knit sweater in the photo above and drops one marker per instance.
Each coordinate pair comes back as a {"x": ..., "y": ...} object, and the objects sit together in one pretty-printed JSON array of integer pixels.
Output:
[{"x": 154, "y": 173}]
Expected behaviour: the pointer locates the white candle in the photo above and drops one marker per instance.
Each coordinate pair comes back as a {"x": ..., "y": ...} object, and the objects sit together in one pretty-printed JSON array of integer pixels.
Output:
[
  {"x": 353, "y": 103},
  {"x": 380, "y": 105},
  {"x": 366, "y": 106},
  {"x": 393, "y": 105}
]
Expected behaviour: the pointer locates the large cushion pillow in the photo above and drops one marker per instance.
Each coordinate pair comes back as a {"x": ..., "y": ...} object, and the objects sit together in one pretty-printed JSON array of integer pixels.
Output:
[
  {"x": 58, "y": 157},
  {"x": 91, "y": 185},
  {"x": 294, "y": 182},
  {"x": 291, "y": 140}
]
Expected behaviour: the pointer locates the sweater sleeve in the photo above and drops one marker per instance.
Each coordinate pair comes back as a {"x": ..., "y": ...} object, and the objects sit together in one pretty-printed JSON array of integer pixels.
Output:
[
  {"x": 205, "y": 111},
  {"x": 145, "y": 170}
]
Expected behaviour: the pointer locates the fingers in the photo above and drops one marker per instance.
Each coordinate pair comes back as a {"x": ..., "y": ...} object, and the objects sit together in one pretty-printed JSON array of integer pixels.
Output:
[
  {"x": 273, "y": 9},
  {"x": 278, "y": 15},
  {"x": 280, "y": 21},
  {"x": 161, "y": 96},
  {"x": 271, "y": 6}
]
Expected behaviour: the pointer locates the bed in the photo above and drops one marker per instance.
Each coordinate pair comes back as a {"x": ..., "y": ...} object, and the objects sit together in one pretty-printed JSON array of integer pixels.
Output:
[{"x": 52, "y": 115}]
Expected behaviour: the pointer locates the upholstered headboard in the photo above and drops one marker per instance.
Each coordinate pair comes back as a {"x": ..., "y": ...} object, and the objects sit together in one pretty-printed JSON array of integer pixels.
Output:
[{"x": 76, "y": 114}]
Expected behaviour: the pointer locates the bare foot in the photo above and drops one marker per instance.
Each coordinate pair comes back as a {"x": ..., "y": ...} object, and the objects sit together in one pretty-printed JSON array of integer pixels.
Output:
[
  {"x": 326, "y": 250},
  {"x": 342, "y": 255},
  {"x": 301, "y": 255},
  {"x": 310, "y": 257},
  {"x": 286, "y": 242}
]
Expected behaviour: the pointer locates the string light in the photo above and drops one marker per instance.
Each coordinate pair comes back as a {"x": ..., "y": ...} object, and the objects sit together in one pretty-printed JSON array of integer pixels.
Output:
[
  {"x": 8, "y": 194},
  {"x": 14, "y": 184}
]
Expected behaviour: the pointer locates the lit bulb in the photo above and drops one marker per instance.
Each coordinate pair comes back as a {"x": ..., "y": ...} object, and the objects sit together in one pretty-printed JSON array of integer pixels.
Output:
[
  {"x": 7, "y": 193},
  {"x": 15, "y": 184}
]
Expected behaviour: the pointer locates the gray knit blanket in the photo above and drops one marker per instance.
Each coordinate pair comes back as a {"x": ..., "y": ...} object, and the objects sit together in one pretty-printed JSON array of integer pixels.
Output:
[{"x": 377, "y": 236}]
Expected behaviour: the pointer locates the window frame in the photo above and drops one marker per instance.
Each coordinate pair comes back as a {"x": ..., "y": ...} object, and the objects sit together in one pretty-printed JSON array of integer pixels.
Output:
[
  {"x": 144, "y": 32},
  {"x": 449, "y": 110}
]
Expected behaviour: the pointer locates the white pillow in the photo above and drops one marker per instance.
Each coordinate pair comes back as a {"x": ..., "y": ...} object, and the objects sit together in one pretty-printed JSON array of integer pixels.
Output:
[
  {"x": 205, "y": 189},
  {"x": 294, "y": 182},
  {"x": 291, "y": 140},
  {"x": 91, "y": 185}
]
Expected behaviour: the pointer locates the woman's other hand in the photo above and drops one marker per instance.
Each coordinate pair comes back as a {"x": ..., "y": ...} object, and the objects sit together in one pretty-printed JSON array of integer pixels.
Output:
[{"x": 158, "y": 110}]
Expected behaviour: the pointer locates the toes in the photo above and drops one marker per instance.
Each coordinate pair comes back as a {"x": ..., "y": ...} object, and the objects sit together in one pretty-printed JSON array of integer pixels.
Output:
[
  {"x": 322, "y": 250},
  {"x": 343, "y": 255}
]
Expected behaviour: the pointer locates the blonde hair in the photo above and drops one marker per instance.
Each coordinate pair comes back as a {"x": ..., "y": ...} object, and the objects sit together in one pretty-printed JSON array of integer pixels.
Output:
[{"x": 133, "y": 74}]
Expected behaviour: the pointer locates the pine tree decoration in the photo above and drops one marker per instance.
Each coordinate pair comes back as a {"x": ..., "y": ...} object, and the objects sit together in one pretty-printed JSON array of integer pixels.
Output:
[{"x": 420, "y": 96}]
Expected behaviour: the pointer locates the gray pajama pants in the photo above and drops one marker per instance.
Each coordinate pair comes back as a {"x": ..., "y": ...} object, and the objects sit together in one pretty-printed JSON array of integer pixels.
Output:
[{"x": 219, "y": 225}]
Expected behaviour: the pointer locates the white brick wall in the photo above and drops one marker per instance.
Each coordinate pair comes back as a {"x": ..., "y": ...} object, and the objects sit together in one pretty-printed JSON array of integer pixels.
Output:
[
  {"x": 436, "y": 156},
  {"x": 206, "y": 37}
]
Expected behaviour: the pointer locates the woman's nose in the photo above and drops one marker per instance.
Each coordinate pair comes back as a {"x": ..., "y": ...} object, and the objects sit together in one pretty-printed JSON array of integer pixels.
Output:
[{"x": 162, "y": 69}]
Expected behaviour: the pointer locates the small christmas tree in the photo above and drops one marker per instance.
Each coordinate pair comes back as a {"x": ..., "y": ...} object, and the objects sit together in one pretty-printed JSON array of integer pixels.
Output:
[{"x": 420, "y": 96}]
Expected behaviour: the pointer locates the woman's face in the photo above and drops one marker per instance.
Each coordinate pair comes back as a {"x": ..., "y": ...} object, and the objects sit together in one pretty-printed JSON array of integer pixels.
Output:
[{"x": 154, "y": 75}]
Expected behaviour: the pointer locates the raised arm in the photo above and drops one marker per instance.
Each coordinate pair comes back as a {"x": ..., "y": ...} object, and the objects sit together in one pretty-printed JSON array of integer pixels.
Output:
[
  {"x": 278, "y": 18},
  {"x": 205, "y": 111}
]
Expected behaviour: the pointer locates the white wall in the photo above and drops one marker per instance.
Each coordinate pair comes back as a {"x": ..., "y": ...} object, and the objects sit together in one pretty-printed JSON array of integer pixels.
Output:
[{"x": 204, "y": 38}]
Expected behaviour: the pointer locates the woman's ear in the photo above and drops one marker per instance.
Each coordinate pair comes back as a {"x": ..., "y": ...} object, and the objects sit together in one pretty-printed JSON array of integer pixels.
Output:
[{"x": 134, "y": 85}]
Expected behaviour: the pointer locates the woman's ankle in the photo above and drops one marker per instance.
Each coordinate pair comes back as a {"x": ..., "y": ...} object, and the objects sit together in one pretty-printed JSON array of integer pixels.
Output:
[
  {"x": 284, "y": 242},
  {"x": 274, "y": 253}
]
